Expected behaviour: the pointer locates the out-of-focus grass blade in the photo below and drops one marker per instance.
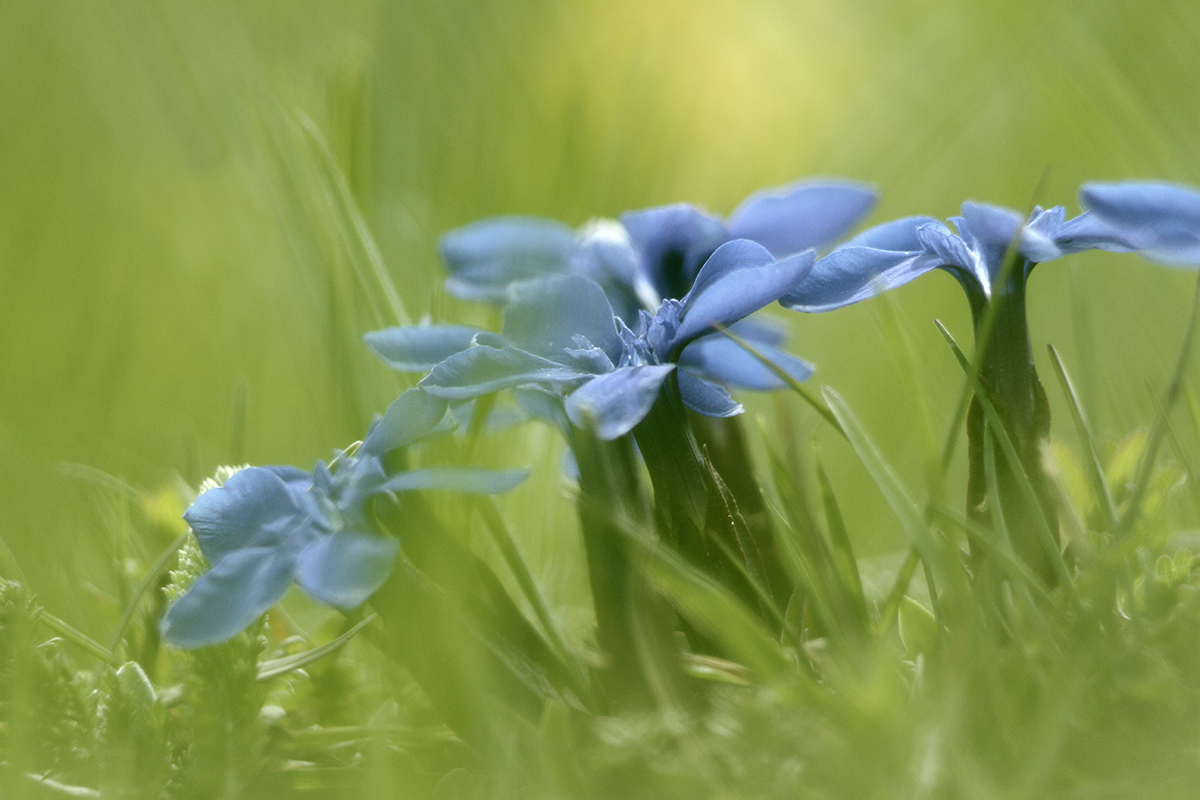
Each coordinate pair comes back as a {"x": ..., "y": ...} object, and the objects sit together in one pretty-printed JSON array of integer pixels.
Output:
[
  {"x": 843, "y": 563},
  {"x": 148, "y": 581},
  {"x": 520, "y": 571},
  {"x": 78, "y": 637},
  {"x": 280, "y": 666},
  {"x": 800, "y": 544},
  {"x": 10, "y": 564},
  {"x": 1095, "y": 470},
  {"x": 911, "y": 520},
  {"x": 1158, "y": 430},
  {"x": 891, "y": 605},
  {"x": 360, "y": 245},
  {"x": 1017, "y": 569},
  {"x": 905, "y": 353},
  {"x": 712, "y": 608},
  {"x": 1010, "y": 453}
]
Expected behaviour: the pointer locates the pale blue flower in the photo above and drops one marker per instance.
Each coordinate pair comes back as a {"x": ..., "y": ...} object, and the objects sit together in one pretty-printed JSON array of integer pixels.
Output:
[
  {"x": 1160, "y": 220},
  {"x": 895, "y": 253},
  {"x": 560, "y": 333},
  {"x": 268, "y": 527},
  {"x": 655, "y": 254}
]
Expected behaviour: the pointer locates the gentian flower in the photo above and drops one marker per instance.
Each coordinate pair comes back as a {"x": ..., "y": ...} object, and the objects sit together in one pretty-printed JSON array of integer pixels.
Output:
[
  {"x": 268, "y": 527},
  {"x": 991, "y": 256},
  {"x": 895, "y": 253},
  {"x": 1160, "y": 220},
  {"x": 560, "y": 333},
  {"x": 655, "y": 254}
]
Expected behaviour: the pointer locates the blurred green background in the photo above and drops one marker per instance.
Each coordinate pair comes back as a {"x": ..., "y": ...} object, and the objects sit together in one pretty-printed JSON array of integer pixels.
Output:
[{"x": 197, "y": 201}]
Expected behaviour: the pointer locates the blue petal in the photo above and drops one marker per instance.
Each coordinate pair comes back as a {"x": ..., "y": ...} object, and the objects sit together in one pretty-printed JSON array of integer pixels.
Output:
[
  {"x": 800, "y": 216},
  {"x": 486, "y": 256},
  {"x": 878, "y": 259},
  {"x": 724, "y": 360},
  {"x": 345, "y": 568},
  {"x": 547, "y": 316},
  {"x": 1089, "y": 232},
  {"x": 672, "y": 242},
  {"x": 412, "y": 415},
  {"x": 992, "y": 227},
  {"x": 223, "y": 601},
  {"x": 740, "y": 278},
  {"x": 706, "y": 398},
  {"x": 472, "y": 480},
  {"x": 483, "y": 370},
  {"x": 1160, "y": 219},
  {"x": 611, "y": 405},
  {"x": 760, "y": 329},
  {"x": 252, "y": 509},
  {"x": 296, "y": 479},
  {"x": 1040, "y": 238},
  {"x": 604, "y": 253},
  {"x": 544, "y": 405},
  {"x": 420, "y": 348}
]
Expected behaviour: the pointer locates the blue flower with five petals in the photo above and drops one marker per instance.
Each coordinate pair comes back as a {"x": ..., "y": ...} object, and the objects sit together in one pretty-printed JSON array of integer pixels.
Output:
[
  {"x": 895, "y": 253},
  {"x": 268, "y": 527},
  {"x": 560, "y": 333}
]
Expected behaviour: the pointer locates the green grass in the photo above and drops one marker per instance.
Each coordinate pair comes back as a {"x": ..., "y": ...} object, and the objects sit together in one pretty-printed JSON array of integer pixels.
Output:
[{"x": 205, "y": 206}]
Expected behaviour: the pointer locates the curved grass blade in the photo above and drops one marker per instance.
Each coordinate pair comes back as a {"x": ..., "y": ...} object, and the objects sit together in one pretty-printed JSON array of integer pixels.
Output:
[
  {"x": 360, "y": 245},
  {"x": 520, "y": 571},
  {"x": 147, "y": 582},
  {"x": 1095, "y": 470},
  {"x": 711, "y": 607},
  {"x": 843, "y": 565},
  {"x": 280, "y": 666},
  {"x": 1017, "y": 569},
  {"x": 891, "y": 606},
  {"x": 932, "y": 552},
  {"x": 78, "y": 637},
  {"x": 1158, "y": 430}
]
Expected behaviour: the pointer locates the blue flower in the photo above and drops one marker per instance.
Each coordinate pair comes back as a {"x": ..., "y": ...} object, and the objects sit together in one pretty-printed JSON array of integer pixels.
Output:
[
  {"x": 895, "y": 253},
  {"x": 1160, "y": 220},
  {"x": 267, "y": 527},
  {"x": 655, "y": 254},
  {"x": 560, "y": 333}
]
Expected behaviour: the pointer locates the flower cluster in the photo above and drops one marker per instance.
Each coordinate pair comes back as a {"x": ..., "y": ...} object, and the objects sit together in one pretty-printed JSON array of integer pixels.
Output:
[
  {"x": 602, "y": 315},
  {"x": 601, "y": 319}
]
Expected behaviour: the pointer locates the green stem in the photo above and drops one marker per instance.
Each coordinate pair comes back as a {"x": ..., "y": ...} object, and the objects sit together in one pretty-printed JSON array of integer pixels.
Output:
[
  {"x": 1006, "y": 371},
  {"x": 632, "y": 627},
  {"x": 696, "y": 510}
]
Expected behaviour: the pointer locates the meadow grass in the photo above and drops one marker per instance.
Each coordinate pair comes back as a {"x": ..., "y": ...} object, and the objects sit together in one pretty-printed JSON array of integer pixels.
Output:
[{"x": 205, "y": 207}]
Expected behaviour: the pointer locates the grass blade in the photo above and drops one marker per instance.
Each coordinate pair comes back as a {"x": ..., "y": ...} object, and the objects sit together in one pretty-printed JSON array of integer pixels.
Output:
[
  {"x": 1158, "y": 430},
  {"x": 1095, "y": 470},
  {"x": 281, "y": 666},
  {"x": 911, "y": 520},
  {"x": 843, "y": 565}
]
